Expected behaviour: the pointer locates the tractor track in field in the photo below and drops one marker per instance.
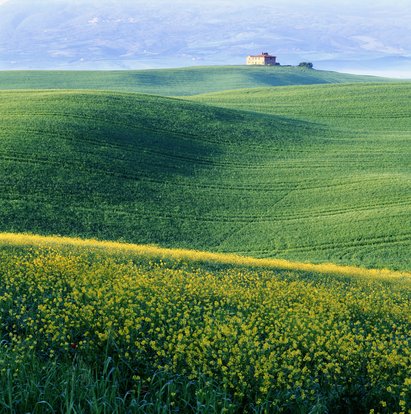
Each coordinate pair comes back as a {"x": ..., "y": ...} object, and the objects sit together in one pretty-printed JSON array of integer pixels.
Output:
[{"x": 364, "y": 242}]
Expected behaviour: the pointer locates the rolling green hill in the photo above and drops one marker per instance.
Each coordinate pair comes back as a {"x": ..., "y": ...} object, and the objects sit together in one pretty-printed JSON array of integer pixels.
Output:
[
  {"x": 363, "y": 107},
  {"x": 175, "y": 82},
  {"x": 318, "y": 177}
]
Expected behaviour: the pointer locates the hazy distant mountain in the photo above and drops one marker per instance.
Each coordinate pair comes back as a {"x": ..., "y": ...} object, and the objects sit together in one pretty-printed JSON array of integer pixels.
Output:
[{"x": 122, "y": 34}]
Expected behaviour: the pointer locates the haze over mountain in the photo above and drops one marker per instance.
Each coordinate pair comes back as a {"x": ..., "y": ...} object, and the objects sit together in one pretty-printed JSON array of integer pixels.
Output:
[{"x": 371, "y": 37}]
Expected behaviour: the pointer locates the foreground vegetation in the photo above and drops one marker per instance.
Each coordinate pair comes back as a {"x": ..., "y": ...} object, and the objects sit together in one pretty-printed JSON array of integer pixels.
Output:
[
  {"x": 89, "y": 327},
  {"x": 321, "y": 175},
  {"x": 176, "y": 82},
  {"x": 309, "y": 173}
]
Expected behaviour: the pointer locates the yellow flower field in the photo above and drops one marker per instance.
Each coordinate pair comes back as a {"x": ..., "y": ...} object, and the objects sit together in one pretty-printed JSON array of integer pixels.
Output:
[{"x": 274, "y": 339}]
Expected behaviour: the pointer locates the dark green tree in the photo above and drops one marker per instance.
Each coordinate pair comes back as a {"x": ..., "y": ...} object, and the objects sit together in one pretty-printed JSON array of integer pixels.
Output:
[{"x": 307, "y": 65}]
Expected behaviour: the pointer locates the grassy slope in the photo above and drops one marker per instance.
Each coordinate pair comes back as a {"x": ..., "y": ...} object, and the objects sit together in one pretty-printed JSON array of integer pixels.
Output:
[
  {"x": 173, "y": 82},
  {"x": 156, "y": 170},
  {"x": 363, "y": 171}
]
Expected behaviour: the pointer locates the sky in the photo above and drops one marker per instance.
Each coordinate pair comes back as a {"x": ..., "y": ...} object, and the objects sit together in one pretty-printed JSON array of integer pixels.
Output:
[{"x": 358, "y": 36}]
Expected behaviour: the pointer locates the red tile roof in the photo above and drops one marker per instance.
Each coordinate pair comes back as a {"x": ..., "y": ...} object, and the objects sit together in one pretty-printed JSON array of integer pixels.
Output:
[{"x": 263, "y": 55}]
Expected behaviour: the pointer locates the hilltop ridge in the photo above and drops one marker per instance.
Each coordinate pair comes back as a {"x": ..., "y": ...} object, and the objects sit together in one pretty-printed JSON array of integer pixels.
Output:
[{"x": 176, "y": 82}]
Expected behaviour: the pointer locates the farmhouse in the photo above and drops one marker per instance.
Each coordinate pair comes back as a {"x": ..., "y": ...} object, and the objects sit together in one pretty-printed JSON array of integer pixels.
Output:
[{"x": 263, "y": 59}]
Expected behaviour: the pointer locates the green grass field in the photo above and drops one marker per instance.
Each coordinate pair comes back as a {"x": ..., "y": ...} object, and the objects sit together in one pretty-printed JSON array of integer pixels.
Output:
[
  {"x": 310, "y": 187},
  {"x": 173, "y": 82},
  {"x": 93, "y": 327},
  {"x": 321, "y": 174}
]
